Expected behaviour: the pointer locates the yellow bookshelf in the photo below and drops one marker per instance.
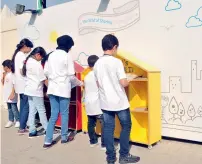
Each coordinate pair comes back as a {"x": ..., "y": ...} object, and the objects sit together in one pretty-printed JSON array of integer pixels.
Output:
[{"x": 145, "y": 102}]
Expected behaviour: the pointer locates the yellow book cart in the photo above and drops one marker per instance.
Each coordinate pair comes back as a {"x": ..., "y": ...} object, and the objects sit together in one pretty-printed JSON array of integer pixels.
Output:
[{"x": 144, "y": 94}]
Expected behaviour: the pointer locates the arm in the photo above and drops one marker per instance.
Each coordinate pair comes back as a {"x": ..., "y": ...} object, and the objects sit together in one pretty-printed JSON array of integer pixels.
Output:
[
  {"x": 3, "y": 77},
  {"x": 12, "y": 95},
  {"x": 75, "y": 81},
  {"x": 122, "y": 75}
]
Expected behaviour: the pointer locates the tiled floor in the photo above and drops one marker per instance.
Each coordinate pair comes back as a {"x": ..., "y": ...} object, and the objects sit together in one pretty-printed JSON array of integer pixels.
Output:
[{"x": 21, "y": 150}]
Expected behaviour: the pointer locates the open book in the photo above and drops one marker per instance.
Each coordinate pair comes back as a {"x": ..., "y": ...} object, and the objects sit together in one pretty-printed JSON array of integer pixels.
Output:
[{"x": 131, "y": 76}]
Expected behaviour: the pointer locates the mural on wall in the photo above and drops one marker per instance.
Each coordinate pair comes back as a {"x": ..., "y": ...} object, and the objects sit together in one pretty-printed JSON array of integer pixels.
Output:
[
  {"x": 173, "y": 5},
  {"x": 157, "y": 39},
  {"x": 128, "y": 13},
  {"x": 174, "y": 112},
  {"x": 31, "y": 32},
  {"x": 196, "y": 20}
]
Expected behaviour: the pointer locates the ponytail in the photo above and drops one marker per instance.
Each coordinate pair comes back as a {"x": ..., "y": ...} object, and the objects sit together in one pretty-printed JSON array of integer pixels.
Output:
[
  {"x": 24, "y": 42},
  {"x": 24, "y": 69},
  {"x": 37, "y": 50}
]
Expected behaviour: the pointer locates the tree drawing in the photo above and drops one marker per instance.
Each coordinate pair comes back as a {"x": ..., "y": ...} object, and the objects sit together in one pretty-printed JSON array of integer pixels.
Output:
[
  {"x": 181, "y": 111},
  {"x": 200, "y": 111},
  {"x": 173, "y": 107},
  {"x": 164, "y": 104},
  {"x": 191, "y": 112}
]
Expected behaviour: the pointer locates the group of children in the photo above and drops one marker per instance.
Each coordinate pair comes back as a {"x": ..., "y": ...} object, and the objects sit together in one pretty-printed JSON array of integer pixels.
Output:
[{"x": 104, "y": 85}]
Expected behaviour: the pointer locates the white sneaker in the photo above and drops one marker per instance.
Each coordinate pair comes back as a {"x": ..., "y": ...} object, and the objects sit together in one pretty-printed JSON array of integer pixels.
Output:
[
  {"x": 17, "y": 124},
  {"x": 9, "y": 124},
  {"x": 93, "y": 145}
]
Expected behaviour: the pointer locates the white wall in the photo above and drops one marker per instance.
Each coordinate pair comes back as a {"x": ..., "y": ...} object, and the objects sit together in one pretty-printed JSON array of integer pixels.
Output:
[{"x": 164, "y": 33}]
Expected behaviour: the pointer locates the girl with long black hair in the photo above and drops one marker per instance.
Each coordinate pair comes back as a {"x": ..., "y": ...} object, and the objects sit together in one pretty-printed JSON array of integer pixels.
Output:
[
  {"x": 34, "y": 82},
  {"x": 19, "y": 56}
]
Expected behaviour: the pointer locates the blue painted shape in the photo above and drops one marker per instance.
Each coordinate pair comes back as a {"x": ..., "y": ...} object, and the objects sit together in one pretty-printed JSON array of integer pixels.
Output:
[
  {"x": 195, "y": 21},
  {"x": 173, "y": 5},
  {"x": 79, "y": 61}
]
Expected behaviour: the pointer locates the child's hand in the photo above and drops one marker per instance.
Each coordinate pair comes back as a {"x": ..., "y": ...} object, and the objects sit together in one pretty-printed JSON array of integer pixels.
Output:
[{"x": 12, "y": 96}]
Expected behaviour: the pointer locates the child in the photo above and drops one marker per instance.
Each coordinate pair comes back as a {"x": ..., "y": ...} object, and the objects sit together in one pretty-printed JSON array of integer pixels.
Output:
[
  {"x": 35, "y": 78},
  {"x": 111, "y": 80},
  {"x": 23, "y": 48},
  {"x": 92, "y": 104},
  {"x": 60, "y": 70},
  {"x": 10, "y": 97}
]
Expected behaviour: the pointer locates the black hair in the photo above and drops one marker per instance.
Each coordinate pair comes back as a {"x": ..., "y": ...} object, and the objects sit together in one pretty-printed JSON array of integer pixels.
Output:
[
  {"x": 7, "y": 63},
  {"x": 65, "y": 43},
  {"x": 43, "y": 61},
  {"x": 37, "y": 50},
  {"x": 23, "y": 42},
  {"x": 109, "y": 41},
  {"x": 92, "y": 60}
]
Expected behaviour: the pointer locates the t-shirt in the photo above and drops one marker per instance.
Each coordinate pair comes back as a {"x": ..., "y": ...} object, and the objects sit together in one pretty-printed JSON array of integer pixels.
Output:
[
  {"x": 59, "y": 68},
  {"x": 108, "y": 72},
  {"x": 34, "y": 78},
  {"x": 9, "y": 83},
  {"x": 19, "y": 79},
  {"x": 92, "y": 103}
]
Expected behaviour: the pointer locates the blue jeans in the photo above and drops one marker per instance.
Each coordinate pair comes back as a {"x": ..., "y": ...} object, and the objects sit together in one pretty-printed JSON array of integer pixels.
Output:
[
  {"x": 24, "y": 111},
  {"x": 36, "y": 104},
  {"x": 58, "y": 105},
  {"x": 109, "y": 126},
  {"x": 13, "y": 112},
  {"x": 91, "y": 129}
]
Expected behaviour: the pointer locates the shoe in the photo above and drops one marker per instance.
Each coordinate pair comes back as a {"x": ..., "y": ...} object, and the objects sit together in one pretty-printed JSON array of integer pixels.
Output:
[
  {"x": 103, "y": 148},
  {"x": 32, "y": 135},
  {"x": 110, "y": 162},
  {"x": 129, "y": 159},
  {"x": 46, "y": 146},
  {"x": 9, "y": 124},
  {"x": 17, "y": 124},
  {"x": 56, "y": 131},
  {"x": 22, "y": 131},
  {"x": 64, "y": 141},
  {"x": 93, "y": 145}
]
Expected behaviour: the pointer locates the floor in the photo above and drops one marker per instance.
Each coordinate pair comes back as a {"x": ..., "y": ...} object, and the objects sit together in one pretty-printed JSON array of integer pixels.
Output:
[{"x": 22, "y": 150}]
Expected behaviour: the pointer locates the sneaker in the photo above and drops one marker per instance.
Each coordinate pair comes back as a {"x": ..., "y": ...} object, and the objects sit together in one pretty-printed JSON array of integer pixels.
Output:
[
  {"x": 22, "y": 131},
  {"x": 103, "y": 148},
  {"x": 9, "y": 124},
  {"x": 64, "y": 141},
  {"x": 93, "y": 145},
  {"x": 46, "y": 146},
  {"x": 129, "y": 159},
  {"x": 32, "y": 135},
  {"x": 17, "y": 124}
]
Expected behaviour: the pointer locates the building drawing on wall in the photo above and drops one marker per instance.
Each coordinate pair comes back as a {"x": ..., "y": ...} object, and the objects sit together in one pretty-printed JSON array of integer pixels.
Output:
[
  {"x": 174, "y": 113},
  {"x": 128, "y": 14}
]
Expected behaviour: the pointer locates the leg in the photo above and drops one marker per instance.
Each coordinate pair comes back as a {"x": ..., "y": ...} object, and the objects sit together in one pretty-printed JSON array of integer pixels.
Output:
[
  {"x": 91, "y": 129},
  {"x": 109, "y": 125},
  {"x": 32, "y": 114},
  {"x": 24, "y": 111},
  {"x": 125, "y": 121},
  {"x": 64, "y": 111},
  {"x": 39, "y": 101},
  {"x": 54, "y": 101},
  {"x": 101, "y": 120},
  {"x": 15, "y": 111},
  {"x": 10, "y": 113}
]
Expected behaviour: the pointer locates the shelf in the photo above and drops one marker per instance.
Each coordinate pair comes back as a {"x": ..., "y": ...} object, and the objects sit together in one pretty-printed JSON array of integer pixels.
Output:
[
  {"x": 140, "y": 79},
  {"x": 140, "y": 110}
]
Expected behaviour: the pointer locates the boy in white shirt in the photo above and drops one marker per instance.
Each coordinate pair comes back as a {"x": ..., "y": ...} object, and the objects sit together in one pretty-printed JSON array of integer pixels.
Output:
[
  {"x": 111, "y": 79},
  {"x": 92, "y": 104},
  {"x": 10, "y": 97}
]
